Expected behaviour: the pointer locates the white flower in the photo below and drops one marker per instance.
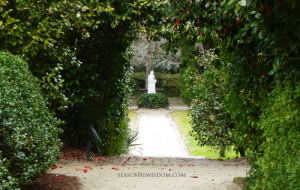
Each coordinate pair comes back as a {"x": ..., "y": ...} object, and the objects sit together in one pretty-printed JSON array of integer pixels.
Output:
[
  {"x": 84, "y": 8},
  {"x": 78, "y": 15}
]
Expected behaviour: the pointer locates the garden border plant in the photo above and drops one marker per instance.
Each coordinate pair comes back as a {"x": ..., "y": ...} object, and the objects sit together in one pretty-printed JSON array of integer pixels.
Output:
[
  {"x": 28, "y": 131},
  {"x": 153, "y": 101}
]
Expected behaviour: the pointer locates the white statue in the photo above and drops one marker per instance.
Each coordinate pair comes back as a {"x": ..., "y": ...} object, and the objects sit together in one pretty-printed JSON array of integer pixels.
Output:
[{"x": 151, "y": 83}]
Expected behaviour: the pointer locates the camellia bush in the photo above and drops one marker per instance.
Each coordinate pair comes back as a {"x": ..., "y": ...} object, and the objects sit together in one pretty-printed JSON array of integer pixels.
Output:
[
  {"x": 257, "y": 44},
  {"x": 211, "y": 121},
  {"x": 153, "y": 101},
  {"x": 28, "y": 131}
]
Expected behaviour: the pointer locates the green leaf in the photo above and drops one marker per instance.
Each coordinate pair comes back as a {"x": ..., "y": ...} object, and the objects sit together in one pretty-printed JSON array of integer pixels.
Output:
[
  {"x": 294, "y": 3},
  {"x": 257, "y": 16},
  {"x": 236, "y": 10},
  {"x": 261, "y": 35}
]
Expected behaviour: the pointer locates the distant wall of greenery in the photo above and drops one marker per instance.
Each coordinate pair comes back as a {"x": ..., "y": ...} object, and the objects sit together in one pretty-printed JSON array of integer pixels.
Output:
[{"x": 168, "y": 82}]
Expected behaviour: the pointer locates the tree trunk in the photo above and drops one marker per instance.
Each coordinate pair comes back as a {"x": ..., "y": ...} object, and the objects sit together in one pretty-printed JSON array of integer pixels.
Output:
[
  {"x": 222, "y": 151},
  {"x": 148, "y": 65},
  {"x": 242, "y": 151}
]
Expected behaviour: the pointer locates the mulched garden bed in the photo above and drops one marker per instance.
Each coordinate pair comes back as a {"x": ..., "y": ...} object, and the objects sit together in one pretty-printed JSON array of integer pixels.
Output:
[{"x": 53, "y": 182}]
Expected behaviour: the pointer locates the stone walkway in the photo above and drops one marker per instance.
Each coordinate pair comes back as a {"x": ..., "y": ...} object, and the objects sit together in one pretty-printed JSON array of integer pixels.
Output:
[{"x": 158, "y": 134}]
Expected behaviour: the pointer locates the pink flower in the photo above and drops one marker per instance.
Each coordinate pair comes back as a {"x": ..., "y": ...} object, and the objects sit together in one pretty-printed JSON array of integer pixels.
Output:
[
  {"x": 175, "y": 29},
  {"x": 201, "y": 34},
  {"x": 85, "y": 170},
  {"x": 264, "y": 76},
  {"x": 58, "y": 177}
]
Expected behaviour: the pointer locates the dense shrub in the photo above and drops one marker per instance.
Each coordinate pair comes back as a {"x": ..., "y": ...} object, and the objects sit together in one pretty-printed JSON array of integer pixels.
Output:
[
  {"x": 168, "y": 82},
  {"x": 28, "y": 133},
  {"x": 279, "y": 167},
  {"x": 153, "y": 101},
  {"x": 158, "y": 68}
]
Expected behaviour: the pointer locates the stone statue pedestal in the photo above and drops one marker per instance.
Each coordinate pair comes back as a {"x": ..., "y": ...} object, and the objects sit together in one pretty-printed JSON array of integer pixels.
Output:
[{"x": 151, "y": 83}]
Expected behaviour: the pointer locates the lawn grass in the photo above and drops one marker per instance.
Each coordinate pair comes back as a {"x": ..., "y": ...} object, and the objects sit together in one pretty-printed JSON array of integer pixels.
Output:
[
  {"x": 182, "y": 120},
  {"x": 132, "y": 116}
]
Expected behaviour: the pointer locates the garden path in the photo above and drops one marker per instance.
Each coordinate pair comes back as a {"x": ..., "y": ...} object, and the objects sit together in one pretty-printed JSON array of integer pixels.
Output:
[{"x": 164, "y": 163}]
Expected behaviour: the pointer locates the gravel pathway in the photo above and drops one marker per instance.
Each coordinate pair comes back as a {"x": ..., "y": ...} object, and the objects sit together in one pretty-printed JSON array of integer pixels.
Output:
[{"x": 159, "y": 135}]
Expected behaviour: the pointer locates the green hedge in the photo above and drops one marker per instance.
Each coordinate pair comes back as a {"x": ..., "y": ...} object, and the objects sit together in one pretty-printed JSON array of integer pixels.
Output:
[
  {"x": 28, "y": 133},
  {"x": 169, "y": 82},
  {"x": 153, "y": 101},
  {"x": 279, "y": 167}
]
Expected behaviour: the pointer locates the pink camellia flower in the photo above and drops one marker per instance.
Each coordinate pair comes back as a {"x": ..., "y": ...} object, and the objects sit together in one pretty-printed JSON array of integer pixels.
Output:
[
  {"x": 177, "y": 22},
  {"x": 85, "y": 170},
  {"x": 175, "y": 29},
  {"x": 201, "y": 34},
  {"x": 58, "y": 177}
]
